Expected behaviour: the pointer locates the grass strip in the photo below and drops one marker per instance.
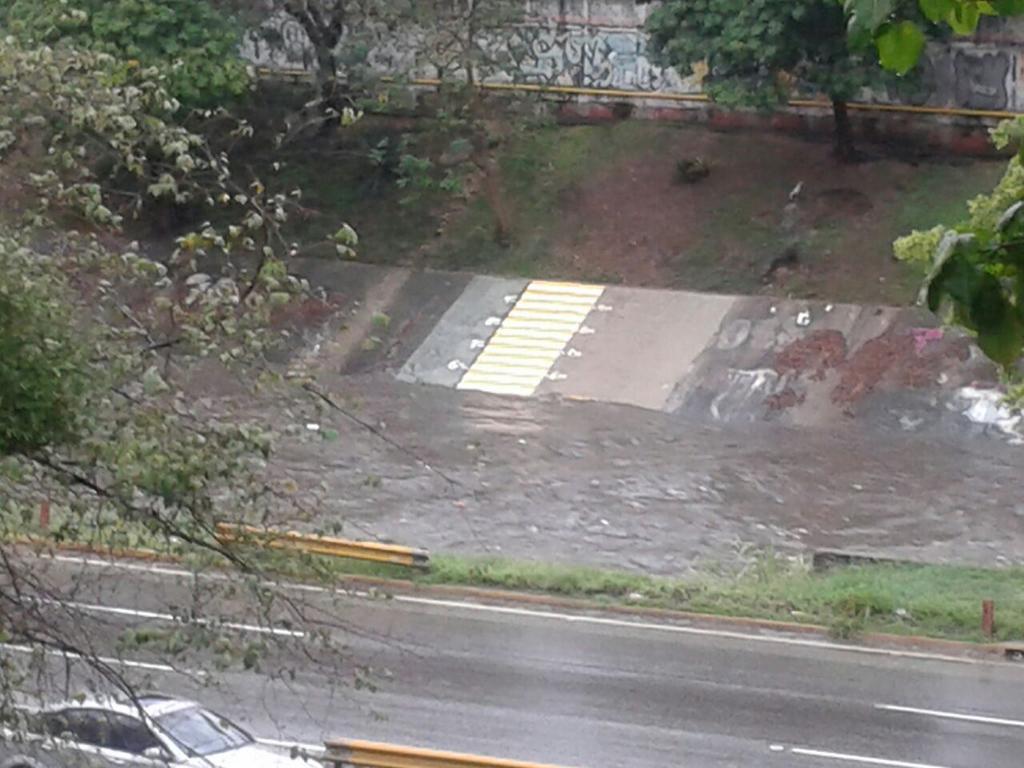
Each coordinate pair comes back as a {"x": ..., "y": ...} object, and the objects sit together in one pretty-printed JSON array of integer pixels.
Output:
[{"x": 940, "y": 601}]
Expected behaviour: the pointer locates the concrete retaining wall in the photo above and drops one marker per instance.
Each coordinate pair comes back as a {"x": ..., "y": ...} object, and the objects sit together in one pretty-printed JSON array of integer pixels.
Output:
[{"x": 601, "y": 45}]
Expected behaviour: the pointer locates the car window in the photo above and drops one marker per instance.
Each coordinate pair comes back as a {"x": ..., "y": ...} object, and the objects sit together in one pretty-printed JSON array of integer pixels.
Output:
[
  {"x": 129, "y": 734},
  {"x": 99, "y": 728},
  {"x": 202, "y": 732}
]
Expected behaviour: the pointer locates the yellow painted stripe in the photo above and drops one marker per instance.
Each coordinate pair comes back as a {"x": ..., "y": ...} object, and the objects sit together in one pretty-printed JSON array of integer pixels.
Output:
[
  {"x": 550, "y": 350},
  {"x": 535, "y": 334},
  {"x": 486, "y": 383},
  {"x": 513, "y": 352},
  {"x": 521, "y": 352},
  {"x": 516, "y": 363},
  {"x": 541, "y": 311},
  {"x": 519, "y": 324},
  {"x": 553, "y": 301},
  {"x": 580, "y": 289},
  {"x": 503, "y": 369}
]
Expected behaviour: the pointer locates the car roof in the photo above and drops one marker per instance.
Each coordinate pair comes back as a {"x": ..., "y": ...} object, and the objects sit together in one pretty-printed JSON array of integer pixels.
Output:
[{"x": 154, "y": 705}]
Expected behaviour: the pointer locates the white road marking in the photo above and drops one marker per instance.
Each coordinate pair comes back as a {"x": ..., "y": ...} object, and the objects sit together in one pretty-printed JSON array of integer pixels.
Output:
[
  {"x": 863, "y": 760},
  {"x": 147, "y": 665},
  {"x": 99, "y": 563},
  {"x": 700, "y": 631},
  {"x": 312, "y": 748},
  {"x": 137, "y": 613},
  {"x": 553, "y": 615},
  {"x": 952, "y": 715}
]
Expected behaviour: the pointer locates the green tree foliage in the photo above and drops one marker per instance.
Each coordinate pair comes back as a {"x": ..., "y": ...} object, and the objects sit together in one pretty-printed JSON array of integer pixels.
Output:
[
  {"x": 976, "y": 268},
  {"x": 42, "y": 381},
  {"x": 899, "y": 28},
  {"x": 99, "y": 338},
  {"x": 757, "y": 51},
  {"x": 195, "y": 45}
]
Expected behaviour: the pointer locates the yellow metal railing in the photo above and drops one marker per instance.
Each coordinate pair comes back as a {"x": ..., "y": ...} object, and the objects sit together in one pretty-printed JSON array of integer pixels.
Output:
[
  {"x": 392, "y": 554},
  {"x": 343, "y": 753},
  {"x": 703, "y": 98}
]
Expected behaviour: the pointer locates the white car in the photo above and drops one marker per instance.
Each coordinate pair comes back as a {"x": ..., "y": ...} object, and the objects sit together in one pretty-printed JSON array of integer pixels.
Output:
[{"x": 159, "y": 731}]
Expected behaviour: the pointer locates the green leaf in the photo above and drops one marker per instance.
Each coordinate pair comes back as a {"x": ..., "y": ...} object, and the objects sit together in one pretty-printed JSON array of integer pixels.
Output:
[
  {"x": 900, "y": 46},
  {"x": 964, "y": 18},
  {"x": 870, "y": 14},
  {"x": 937, "y": 10},
  {"x": 1000, "y": 330},
  {"x": 939, "y": 272}
]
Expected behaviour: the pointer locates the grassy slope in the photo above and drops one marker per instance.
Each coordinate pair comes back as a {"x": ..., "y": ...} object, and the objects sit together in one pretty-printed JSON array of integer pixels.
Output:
[
  {"x": 539, "y": 171},
  {"x": 555, "y": 179}
]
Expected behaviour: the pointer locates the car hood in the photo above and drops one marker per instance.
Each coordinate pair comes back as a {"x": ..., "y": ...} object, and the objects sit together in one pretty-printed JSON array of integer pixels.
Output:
[{"x": 251, "y": 756}]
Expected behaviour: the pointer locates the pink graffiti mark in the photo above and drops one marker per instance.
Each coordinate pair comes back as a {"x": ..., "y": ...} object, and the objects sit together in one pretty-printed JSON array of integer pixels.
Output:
[{"x": 925, "y": 336}]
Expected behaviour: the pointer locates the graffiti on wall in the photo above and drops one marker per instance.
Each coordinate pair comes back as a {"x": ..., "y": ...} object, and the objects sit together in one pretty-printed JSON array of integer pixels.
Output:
[
  {"x": 981, "y": 79},
  {"x": 589, "y": 56},
  {"x": 574, "y": 55}
]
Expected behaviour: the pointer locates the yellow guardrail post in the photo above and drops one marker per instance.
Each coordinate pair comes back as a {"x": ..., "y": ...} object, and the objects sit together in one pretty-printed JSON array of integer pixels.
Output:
[
  {"x": 349, "y": 753},
  {"x": 391, "y": 554}
]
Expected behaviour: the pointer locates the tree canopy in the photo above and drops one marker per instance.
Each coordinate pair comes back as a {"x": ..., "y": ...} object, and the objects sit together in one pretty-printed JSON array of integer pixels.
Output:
[
  {"x": 899, "y": 28},
  {"x": 759, "y": 53},
  {"x": 99, "y": 336},
  {"x": 195, "y": 45},
  {"x": 975, "y": 268}
]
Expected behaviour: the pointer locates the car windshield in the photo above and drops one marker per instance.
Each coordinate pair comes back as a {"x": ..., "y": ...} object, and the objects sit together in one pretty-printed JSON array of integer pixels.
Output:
[{"x": 201, "y": 732}]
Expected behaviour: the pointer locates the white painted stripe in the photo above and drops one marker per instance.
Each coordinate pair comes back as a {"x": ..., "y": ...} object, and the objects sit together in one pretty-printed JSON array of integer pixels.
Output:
[
  {"x": 140, "y": 614},
  {"x": 862, "y": 759},
  {"x": 100, "y": 563},
  {"x": 555, "y": 616},
  {"x": 284, "y": 744},
  {"x": 984, "y": 719},
  {"x": 682, "y": 630},
  {"x": 147, "y": 665}
]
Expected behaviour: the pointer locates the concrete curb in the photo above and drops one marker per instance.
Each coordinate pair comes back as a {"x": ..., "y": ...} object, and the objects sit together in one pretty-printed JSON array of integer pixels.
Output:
[{"x": 356, "y": 583}]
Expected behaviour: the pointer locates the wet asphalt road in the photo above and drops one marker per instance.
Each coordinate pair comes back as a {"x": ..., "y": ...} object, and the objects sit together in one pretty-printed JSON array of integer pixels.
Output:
[
  {"x": 575, "y": 690},
  {"x": 615, "y": 486}
]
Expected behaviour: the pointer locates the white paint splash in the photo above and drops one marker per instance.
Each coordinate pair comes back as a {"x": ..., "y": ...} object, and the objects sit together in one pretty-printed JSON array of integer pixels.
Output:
[
  {"x": 744, "y": 385},
  {"x": 988, "y": 408}
]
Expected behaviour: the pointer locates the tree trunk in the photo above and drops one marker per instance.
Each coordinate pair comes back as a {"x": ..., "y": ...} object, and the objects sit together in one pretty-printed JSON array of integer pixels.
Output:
[
  {"x": 324, "y": 28},
  {"x": 844, "y": 148},
  {"x": 327, "y": 76}
]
